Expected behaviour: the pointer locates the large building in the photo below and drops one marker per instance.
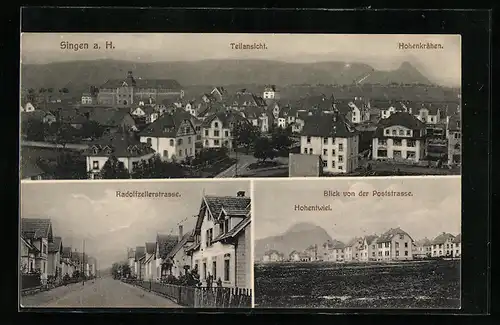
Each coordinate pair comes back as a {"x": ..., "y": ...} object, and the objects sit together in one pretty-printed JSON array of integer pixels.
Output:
[
  {"x": 217, "y": 129},
  {"x": 454, "y": 136},
  {"x": 395, "y": 244},
  {"x": 129, "y": 91},
  {"x": 331, "y": 137},
  {"x": 401, "y": 137}
]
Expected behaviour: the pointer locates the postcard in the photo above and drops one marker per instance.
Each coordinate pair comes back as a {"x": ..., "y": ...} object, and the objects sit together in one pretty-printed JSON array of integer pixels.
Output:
[
  {"x": 358, "y": 243},
  {"x": 201, "y": 105},
  {"x": 139, "y": 244}
]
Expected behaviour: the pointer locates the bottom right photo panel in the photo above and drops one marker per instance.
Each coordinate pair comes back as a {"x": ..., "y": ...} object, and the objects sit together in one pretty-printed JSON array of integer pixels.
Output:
[{"x": 384, "y": 243}]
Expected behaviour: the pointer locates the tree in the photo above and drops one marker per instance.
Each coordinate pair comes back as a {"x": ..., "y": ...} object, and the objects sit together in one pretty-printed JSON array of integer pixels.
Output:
[
  {"x": 245, "y": 134},
  {"x": 115, "y": 270},
  {"x": 281, "y": 139},
  {"x": 114, "y": 169},
  {"x": 91, "y": 129},
  {"x": 156, "y": 168},
  {"x": 263, "y": 149},
  {"x": 34, "y": 130}
]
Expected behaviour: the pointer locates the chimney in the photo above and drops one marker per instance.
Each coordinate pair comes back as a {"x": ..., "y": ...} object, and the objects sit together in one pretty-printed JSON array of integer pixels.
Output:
[
  {"x": 180, "y": 232},
  {"x": 240, "y": 194}
]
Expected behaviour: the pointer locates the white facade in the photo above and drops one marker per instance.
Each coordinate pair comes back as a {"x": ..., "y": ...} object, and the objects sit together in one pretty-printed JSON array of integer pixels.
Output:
[
  {"x": 178, "y": 148},
  {"x": 339, "y": 155},
  {"x": 400, "y": 145},
  {"x": 270, "y": 93},
  {"x": 335, "y": 255},
  {"x": 425, "y": 116},
  {"x": 87, "y": 100},
  {"x": 399, "y": 247},
  {"x": 216, "y": 135},
  {"x": 444, "y": 249}
]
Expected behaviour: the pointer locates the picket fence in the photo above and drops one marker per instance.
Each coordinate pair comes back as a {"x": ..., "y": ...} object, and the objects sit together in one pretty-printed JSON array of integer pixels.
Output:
[{"x": 199, "y": 297}]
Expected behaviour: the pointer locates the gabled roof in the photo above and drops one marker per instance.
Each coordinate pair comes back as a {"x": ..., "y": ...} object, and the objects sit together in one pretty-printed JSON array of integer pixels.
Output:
[
  {"x": 165, "y": 244},
  {"x": 56, "y": 245},
  {"x": 130, "y": 253},
  {"x": 31, "y": 247},
  {"x": 442, "y": 238},
  {"x": 354, "y": 241},
  {"x": 226, "y": 118},
  {"x": 109, "y": 117},
  {"x": 458, "y": 239},
  {"x": 167, "y": 125},
  {"x": 334, "y": 244},
  {"x": 150, "y": 248},
  {"x": 35, "y": 228},
  {"x": 188, "y": 237},
  {"x": 273, "y": 251},
  {"x": 328, "y": 125},
  {"x": 66, "y": 252},
  {"x": 140, "y": 251},
  {"x": 423, "y": 242},
  {"x": 454, "y": 122},
  {"x": 118, "y": 145},
  {"x": 404, "y": 119},
  {"x": 236, "y": 230},
  {"x": 370, "y": 239},
  {"x": 389, "y": 234}
]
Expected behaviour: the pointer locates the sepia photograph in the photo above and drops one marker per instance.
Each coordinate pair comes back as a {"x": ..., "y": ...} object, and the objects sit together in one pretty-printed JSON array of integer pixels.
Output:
[
  {"x": 136, "y": 244},
  {"x": 358, "y": 243},
  {"x": 170, "y": 105}
]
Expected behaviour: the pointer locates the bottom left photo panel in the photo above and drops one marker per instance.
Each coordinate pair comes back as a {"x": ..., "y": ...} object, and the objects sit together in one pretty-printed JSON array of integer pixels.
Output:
[{"x": 156, "y": 244}]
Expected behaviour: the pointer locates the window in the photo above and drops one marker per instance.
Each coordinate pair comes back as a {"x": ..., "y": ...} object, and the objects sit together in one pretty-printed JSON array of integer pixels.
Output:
[
  {"x": 410, "y": 155},
  {"x": 341, "y": 147},
  {"x": 186, "y": 151},
  {"x": 226, "y": 133},
  {"x": 308, "y": 140},
  {"x": 186, "y": 129},
  {"x": 135, "y": 164},
  {"x": 325, "y": 152},
  {"x": 397, "y": 245},
  {"x": 397, "y": 253},
  {"x": 410, "y": 143},
  {"x": 396, "y": 154},
  {"x": 44, "y": 249},
  {"x": 406, "y": 253},
  {"x": 382, "y": 142},
  {"x": 165, "y": 153},
  {"x": 401, "y": 132},
  {"x": 379, "y": 253},
  {"x": 172, "y": 142},
  {"x": 457, "y": 146},
  {"x": 457, "y": 135},
  {"x": 226, "y": 269},
  {"x": 310, "y": 151},
  {"x": 406, "y": 245},
  {"x": 216, "y": 143},
  {"x": 333, "y": 152},
  {"x": 204, "y": 270},
  {"x": 341, "y": 167},
  {"x": 179, "y": 142},
  {"x": 305, "y": 150},
  {"x": 216, "y": 133},
  {"x": 148, "y": 140},
  {"x": 214, "y": 270},
  {"x": 206, "y": 143},
  {"x": 206, "y": 133},
  {"x": 95, "y": 164},
  {"x": 341, "y": 158},
  {"x": 387, "y": 131},
  {"x": 216, "y": 124},
  {"x": 408, "y": 133},
  {"x": 387, "y": 245},
  {"x": 401, "y": 236},
  {"x": 394, "y": 132},
  {"x": 333, "y": 163},
  {"x": 189, "y": 140},
  {"x": 325, "y": 163},
  {"x": 386, "y": 253},
  {"x": 209, "y": 237},
  {"x": 325, "y": 140},
  {"x": 43, "y": 270},
  {"x": 180, "y": 153},
  {"x": 397, "y": 142},
  {"x": 190, "y": 151}
]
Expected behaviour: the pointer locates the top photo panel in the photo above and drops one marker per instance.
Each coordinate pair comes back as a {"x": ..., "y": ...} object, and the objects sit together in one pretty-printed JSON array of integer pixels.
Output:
[{"x": 167, "y": 105}]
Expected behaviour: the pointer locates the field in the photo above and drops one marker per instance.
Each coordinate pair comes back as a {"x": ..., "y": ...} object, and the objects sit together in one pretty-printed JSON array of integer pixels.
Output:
[{"x": 424, "y": 284}]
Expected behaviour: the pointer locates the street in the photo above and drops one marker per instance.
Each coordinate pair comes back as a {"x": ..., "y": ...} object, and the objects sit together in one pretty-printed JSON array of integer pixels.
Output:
[
  {"x": 241, "y": 168},
  {"x": 104, "y": 292}
]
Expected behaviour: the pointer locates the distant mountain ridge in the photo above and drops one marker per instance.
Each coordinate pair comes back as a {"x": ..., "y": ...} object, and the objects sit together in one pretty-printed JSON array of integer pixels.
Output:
[
  {"x": 299, "y": 237},
  {"x": 82, "y": 74}
]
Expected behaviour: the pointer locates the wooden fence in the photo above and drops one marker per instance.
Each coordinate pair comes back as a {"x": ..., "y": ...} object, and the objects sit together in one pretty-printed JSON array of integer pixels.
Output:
[{"x": 200, "y": 297}]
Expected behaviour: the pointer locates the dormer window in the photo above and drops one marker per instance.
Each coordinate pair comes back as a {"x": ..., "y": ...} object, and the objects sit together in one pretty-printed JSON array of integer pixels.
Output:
[{"x": 95, "y": 150}]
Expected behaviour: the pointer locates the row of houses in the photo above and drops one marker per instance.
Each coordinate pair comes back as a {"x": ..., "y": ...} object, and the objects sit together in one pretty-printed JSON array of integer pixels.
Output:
[
  {"x": 218, "y": 247},
  {"x": 393, "y": 245},
  {"x": 44, "y": 253}
]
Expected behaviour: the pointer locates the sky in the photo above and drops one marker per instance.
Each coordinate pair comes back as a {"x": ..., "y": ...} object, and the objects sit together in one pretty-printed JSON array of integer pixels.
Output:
[
  {"x": 434, "y": 208},
  {"x": 91, "y": 211},
  {"x": 380, "y": 51}
]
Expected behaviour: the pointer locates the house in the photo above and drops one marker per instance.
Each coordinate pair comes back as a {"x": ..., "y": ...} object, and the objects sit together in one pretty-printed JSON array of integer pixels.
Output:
[
  {"x": 29, "y": 254},
  {"x": 270, "y": 92},
  {"x": 360, "y": 110},
  {"x": 454, "y": 137},
  {"x": 428, "y": 113},
  {"x": 457, "y": 246},
  {"x": 400, "y": 137},
  {"x": 124, "y": 147},
  {"x": 335, "y": 251},
  {"x": 394, "y": 244},
  {"x": 312, "y": 253},
  {"x": 113, "y": 120},
  {"x": 30, "y": 170},
  {"x": 67, "y": 264},
  {"x": 132, "y": 90},
  {"x": 443, "y": 245},
  {"x": 54, "y": 265},
  {"x": 296, "y": 256},
  {"x": 92, "y": 263},
  {"x": 273, "y": 256},
  {"x": 244, "y": 99},
  {"x": 88, "y": 99},
  {"x": 164, "y": 245},
  {"x": 149, "y": 261},
  {"x": 369, "y": 248},
  {"x": 172, "y": 136},
  {"x": 38, "y": 233},
  {"x": 77, "y": 259},
  {"x": 148, "y": 113},
  {"x": 259, "y": 117},
  {"x": 388, "y": 108},
  {"x": 180, "y": 260},
  {"x": 28, "y": 107},
  {"x": 222, "y": 246},
  {"x": 423, "y": 249},
  {"x": 140, "y": 253},
  {"x": 220, "y": 93},
  {"x": 353, "y": 249},
  {"x": 217, "y": 129},
  {"x": 333, "y": 139}
]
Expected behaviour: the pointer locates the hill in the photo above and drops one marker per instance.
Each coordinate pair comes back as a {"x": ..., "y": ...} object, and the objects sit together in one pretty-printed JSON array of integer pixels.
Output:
[
  {"x": 298, "y": 237},
  {"x": 82, "y": 74}
]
